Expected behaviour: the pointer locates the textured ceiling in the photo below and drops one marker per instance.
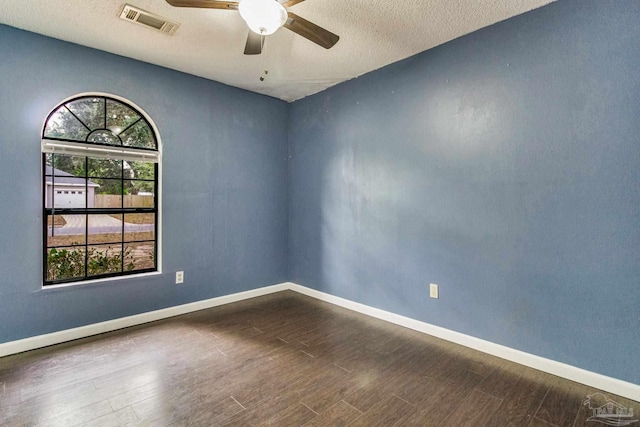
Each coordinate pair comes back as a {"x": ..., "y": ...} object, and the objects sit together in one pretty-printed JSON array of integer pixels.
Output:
[{"x": 210, "y": 43}]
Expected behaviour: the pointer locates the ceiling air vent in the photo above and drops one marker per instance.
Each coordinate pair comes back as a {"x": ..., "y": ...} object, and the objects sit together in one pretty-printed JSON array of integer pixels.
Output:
[{"x": 142, "y": 17}]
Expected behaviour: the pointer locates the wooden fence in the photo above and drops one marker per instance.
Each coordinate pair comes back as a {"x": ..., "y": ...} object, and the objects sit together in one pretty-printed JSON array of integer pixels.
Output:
[{"x": 130, "y": 200}]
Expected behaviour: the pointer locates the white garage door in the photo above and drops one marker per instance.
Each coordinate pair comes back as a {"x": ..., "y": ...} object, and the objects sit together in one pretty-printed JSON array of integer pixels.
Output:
[{"x": 69, "y": 199}]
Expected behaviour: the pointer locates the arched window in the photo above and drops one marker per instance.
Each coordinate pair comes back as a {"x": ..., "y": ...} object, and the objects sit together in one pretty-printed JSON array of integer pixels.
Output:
[{"x": 100, "y": 159}]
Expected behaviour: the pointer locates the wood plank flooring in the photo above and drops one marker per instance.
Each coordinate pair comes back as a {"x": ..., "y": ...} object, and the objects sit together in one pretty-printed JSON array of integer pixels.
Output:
[{"x": 279, "y": 360}]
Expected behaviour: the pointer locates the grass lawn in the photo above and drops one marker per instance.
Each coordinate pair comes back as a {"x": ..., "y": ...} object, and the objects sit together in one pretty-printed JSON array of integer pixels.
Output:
[
  {"x": 58, "y": 221},
  {"x": 79, "y": 239},
  {"x": 140, "y": 218}
]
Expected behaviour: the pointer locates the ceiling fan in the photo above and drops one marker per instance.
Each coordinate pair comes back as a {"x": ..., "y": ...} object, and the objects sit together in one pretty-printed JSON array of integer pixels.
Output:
[{"x": 264, "y": 17}]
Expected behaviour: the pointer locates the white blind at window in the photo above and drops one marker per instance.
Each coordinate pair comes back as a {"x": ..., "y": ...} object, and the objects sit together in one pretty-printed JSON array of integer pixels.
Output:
[{"x": 90, "y": 150}]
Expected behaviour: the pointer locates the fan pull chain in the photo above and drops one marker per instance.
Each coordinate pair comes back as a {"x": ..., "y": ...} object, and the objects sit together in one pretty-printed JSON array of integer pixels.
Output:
[{"x": 265, "y": 71}]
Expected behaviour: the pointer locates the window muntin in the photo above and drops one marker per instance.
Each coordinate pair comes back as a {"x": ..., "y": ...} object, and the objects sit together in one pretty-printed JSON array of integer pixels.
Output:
[{"x": 100, "y": 204}]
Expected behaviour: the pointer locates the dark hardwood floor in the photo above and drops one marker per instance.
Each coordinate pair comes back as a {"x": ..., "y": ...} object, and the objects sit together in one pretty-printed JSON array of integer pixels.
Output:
[{"x": 281, "y": 360}]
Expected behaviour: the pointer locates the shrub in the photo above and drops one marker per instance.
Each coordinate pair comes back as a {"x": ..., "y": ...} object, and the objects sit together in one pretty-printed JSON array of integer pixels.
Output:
[{"x": 70, "y": 263}]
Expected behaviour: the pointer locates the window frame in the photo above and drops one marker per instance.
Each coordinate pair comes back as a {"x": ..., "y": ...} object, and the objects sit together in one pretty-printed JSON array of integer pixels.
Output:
[{"x": 89, "y": 150}]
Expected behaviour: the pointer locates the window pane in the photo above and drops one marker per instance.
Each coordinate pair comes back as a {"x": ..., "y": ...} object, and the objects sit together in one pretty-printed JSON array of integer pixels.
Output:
[
  {"x": 65, "y": 263},
  {"x": 56, "y": 221},
  {"x": 139, "y": 256},
  {"x": 105, "y": 228},
  {"x": 69, "y": 174},
  {"x": 138, "y": 135},
  {"x": 104, "y": 137},
  {"x": 108, "y": 194},
  {"x": 67, "y": 230},
  {"x": 64, "y": 125},
  {"x": 142, "y": 170},
  {"x": 140, "y": 194},
  {"x": 66, "y": 196},
  {"x": 104, "y": 259},
  {"x": 105, "y": 168},
  {"x": 65, "y": 166},
  {"x": 139, "y": 226},
  {"x": 119, "y": 116},
  {"x": 48, "y": 160},
  {"x": 90, "y": 111}
]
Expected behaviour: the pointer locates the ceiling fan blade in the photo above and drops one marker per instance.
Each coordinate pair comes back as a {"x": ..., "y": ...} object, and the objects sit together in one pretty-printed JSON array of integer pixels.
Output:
[
  {"x": 290, "y": 2},
  {"x": 254, "y": 44},
  {"x": 204, "y": 4},
  {"x": 311, "y": 31}
]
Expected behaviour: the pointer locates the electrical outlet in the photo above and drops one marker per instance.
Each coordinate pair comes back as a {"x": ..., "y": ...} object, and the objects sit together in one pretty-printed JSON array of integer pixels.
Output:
[
  {"x": 433, "y": 290},
  {"x": 179, "y": 277}
]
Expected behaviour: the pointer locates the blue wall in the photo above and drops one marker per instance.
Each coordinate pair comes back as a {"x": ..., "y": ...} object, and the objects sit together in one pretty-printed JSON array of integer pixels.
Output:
[
  {"x": 224, "y": 175},
  {"x": 504, "y": 166}
]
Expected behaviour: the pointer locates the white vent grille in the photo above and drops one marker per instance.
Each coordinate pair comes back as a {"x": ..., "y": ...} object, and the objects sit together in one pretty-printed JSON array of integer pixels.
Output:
[{"x": 150, "y": 20}]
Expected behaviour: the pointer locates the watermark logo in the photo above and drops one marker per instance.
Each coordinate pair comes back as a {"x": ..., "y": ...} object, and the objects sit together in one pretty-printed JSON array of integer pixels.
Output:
[{"x": 609, "y": 412}]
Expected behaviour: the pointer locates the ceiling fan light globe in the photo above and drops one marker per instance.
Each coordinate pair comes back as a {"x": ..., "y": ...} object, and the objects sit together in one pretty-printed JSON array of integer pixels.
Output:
[{"x": 263, "y": 16}]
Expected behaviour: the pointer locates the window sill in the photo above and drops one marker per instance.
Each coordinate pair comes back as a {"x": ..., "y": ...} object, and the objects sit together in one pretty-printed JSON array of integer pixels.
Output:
[{"x": 98, "y": 281}]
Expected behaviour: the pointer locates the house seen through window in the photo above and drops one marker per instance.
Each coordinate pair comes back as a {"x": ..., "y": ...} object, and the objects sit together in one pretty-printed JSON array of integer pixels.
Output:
[{"x": 100, "y": 160}]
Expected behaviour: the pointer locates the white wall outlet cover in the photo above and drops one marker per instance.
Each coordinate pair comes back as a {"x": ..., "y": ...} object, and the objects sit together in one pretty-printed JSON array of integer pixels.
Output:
[
  {"x": 179, "y": 277},
  {"x": 433, "y": 290}
]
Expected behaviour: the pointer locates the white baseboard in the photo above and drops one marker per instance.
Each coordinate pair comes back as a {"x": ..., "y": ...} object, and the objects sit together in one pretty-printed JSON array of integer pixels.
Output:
[
  {"x": 40, "y": 341},
  {"x": 592, "y": 379}
]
